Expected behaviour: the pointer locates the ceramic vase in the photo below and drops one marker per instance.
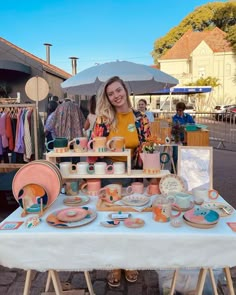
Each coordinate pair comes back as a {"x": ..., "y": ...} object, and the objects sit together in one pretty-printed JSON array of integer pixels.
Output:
[{"x": 151, "y": 162}]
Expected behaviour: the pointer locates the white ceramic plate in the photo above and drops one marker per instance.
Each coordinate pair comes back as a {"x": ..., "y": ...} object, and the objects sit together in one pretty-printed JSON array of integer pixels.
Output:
[
  {"x": 135, "y": 200},
  {"x": 171, "y": 183}
]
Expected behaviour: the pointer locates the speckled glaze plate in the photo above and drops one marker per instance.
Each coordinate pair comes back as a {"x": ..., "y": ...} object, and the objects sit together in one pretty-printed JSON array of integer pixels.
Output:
[
  {"x": 171, "y": 183},
  {"x": 72, "y": 214},
  {"x": 76, "y": 200},
  {"x": 219, "y": 208},
  {"x": 135, "y": 200},
  {"x": 55, "y": 222}
]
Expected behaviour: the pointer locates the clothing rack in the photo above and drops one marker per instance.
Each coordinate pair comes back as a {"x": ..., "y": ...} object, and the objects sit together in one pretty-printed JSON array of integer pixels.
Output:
[{"x": 10, "y": 166}]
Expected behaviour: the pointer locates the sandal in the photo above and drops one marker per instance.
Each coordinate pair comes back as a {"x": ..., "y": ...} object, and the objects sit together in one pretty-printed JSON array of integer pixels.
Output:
[
  {"x": 113, "y": 278},
  {"x": 131, "y": 275}
]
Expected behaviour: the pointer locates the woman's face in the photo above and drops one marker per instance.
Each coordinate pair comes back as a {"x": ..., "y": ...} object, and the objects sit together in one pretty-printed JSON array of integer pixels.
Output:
[
  {"x": 141, "y": 106},
  {"x": 117, "y": 95}
]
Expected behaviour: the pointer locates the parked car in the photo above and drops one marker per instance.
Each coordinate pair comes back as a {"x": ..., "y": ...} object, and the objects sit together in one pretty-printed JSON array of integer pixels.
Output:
[
  {"x": 230, "y": 114},
  {"x": 190, "y": 110},
  {"x": 220, "y": 111}
]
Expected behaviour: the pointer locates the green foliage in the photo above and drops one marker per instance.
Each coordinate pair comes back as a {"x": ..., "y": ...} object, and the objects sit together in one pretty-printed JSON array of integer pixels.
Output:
[
  {"x": 206, "y": 17},
  {"x": 208, "y": 81}
]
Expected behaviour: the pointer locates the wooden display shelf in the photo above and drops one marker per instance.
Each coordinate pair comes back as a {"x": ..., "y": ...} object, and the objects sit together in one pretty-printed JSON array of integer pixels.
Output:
[
  {"x": 133, "y": 174},
  {"x": 105, "y": 206},
  {"x": 197, "y": 138}
]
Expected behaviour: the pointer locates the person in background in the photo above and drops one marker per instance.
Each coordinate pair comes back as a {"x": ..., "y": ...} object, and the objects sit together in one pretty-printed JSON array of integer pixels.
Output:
[
  {"x": 116, "y": 117},
  {"x": 142, "y": 107},
  {"x": 180, "y": 118},
  {"x": 48, "y": 129},
  {"x": 91, "y": 118}
]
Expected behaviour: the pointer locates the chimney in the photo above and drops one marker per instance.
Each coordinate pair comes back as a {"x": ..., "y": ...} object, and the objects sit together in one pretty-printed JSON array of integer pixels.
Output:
[
  {"x": 47, "y": 52},
  {"x": 74, "y": 64}
]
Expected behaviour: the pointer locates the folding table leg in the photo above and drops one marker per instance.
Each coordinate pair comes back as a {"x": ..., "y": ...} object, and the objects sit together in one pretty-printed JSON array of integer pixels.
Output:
[
  {"x": 27, "y": 282},
  {"x": 201, "y": 281},
  {"x": 56, "y": 282},
  {"x": 89, "y": 283},
  {"x": 213, "y": 282},
  {"x": 229, "y": 281},
  {"x": 173, "y": 282},
  {"x": 48, "y": 282}
]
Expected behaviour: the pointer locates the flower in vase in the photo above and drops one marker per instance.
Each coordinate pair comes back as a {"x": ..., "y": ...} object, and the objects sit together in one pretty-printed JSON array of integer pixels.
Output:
[
  {"x": 177, "y": 131},
  {"x": 151, "y": 144}
]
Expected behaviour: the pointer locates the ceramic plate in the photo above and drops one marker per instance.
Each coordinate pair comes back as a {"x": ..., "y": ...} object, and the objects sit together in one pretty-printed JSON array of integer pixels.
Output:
[
  {"x": 31, "y": 196},
  {"x": 197, "y": 225},
  {"x": 76, "y": 200},
  {"x": 171, "y": 183},
  {"x": 201, "y": 215},
  {"x": 219, "y": 208},
  {"x": 135, "y": 200},
  {"x": 134, "y": 222},
  {"x": 55, "y": 222},
  {"x": 38, "y": 173},
  {"x": 71, "y": 214}
]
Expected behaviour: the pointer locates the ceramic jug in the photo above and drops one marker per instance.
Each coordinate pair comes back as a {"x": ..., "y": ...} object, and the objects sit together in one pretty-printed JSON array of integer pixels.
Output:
[
  {"x": 151, "y": 162},
  {"x": 162, "y": 209}
]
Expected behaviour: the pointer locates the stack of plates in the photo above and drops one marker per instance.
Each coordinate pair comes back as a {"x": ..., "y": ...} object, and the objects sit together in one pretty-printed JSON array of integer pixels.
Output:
[
  {"x": 201, "y": 218},
  {"x": 37, "y": 184},
  {"x": 71, "y": 217},
  {"x": 76, "y": 200}
]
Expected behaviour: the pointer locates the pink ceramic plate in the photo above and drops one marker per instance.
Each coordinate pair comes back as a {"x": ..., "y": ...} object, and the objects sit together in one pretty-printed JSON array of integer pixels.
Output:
[
  {"x": 202, "y": 216},
  {"x": 37, "y": 173},
  {"x": 71, "y": 214}
]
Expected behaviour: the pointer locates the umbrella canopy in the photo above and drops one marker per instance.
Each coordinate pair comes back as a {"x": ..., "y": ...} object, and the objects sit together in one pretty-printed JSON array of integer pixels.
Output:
[{"x": 139, "y": 78}]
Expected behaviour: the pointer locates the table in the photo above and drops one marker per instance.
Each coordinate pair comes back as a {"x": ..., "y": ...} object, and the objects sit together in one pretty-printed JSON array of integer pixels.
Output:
[{"x": 155, "y": 246}]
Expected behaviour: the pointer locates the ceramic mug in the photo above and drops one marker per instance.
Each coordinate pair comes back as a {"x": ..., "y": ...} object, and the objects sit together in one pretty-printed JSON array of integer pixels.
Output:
[
  {"x": 183, "y": 200},
  {"x": 205, "y": 194},
  {"x": 91, "y": 187},
  {"x": 99, "y": 144},
  {"x": 79, "y": 144},
  {"x": 80, "y": 168},
  {"x": 116, "y": 144},
  {"x": 162, "y": 209},
  {"x": 111, "y": 192},
  {"x": 119, "y": 167},
  {"x": 135, "y": 187},
  {"x": 153, "y": 189},
  {"x": 100, "y": 168},
  {"x": 60, "y": 145},
  {"x": 71, "y": 188},
  {"x": 65, "y": 168}
]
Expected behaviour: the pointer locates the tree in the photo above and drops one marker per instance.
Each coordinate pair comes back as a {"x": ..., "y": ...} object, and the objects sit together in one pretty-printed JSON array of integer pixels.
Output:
[
  {"x": 205, "y": 17},
  {"x": 208, "y": 81}
]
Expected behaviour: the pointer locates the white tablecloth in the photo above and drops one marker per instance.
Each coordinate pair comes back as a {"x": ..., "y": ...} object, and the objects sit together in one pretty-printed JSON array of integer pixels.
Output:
[{"x": 154, "y": 246}]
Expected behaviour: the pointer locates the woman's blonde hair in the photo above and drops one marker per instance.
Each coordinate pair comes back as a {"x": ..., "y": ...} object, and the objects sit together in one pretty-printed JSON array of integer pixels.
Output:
[{"x": 105, "y": 109}]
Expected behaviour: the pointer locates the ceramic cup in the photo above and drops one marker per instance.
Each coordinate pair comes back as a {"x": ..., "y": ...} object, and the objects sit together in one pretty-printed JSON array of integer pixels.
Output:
[
  {"x": 99, "y": 144},
  {"x": 162, "y": 209},
  {"x": 71, "y": 188},
  {"x": 119, "y": 167},
  {"x": 79, "y": 144},
  {"x": 60, "y": 144},
  {"x": 100, "y": 168},
  {"x": 183, "y": 200},
  {"x": 116, "y": 144},
  {"x": 111, "y": 192},
  {"x": 153, "y": 189},
  {"x": 135, "y": 187},
  {"x": 91, "y": 187},
  {"x": 65, "y": 168},
  {"x": 80, "y": 168},
  {"x": 205, "y": 194}
]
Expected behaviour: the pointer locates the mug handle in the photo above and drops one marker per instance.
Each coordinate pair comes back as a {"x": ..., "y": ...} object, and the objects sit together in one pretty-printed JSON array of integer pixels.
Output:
[
  {"x": 89, "y": 170},
  {"x": 213, "y": 194},
  {"x": 164, "y": 158},
  {"x": 108, "y": 170},
  {"x": 73, "y": 171},
  {"x": 100, "y": 193},
  {"x": 83, "y": 186},
  {"x": 179, "y": 210},
  {"x": 70, "y": 142},
  {"x": 47, "y": 143},
  {"x": 129, "y": 190},
  {"x": 89, "y": 144},
  {"x": 109, "y": 145}
]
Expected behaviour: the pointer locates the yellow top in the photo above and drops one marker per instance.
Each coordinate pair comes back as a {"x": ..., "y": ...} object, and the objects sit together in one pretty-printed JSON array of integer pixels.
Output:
[{"x": 126, "y": 128}]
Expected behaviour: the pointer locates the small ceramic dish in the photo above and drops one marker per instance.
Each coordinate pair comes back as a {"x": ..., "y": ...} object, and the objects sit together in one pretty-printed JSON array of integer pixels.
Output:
[
  {"x": 110, "y": 223},
  {"x": 119, "y": 216},
  {"x": 134, "y": 222},
  {"x": 135, "y": 200}
]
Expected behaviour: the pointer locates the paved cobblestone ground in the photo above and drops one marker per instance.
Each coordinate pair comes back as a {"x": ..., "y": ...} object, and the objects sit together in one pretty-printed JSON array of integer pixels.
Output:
[{"x": 12, "y": 280}]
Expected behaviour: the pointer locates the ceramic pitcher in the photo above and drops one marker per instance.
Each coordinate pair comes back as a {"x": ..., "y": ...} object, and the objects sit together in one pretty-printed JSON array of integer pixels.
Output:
[{"x": 151, "y": 162}]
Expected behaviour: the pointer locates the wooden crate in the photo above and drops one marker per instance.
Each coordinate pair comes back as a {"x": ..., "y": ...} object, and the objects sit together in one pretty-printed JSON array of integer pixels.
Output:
[{"x": 104, "y": 206}]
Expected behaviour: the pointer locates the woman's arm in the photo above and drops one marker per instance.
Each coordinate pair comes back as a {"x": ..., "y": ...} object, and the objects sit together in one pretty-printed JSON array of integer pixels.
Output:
[{"x": 86, "y": 124}]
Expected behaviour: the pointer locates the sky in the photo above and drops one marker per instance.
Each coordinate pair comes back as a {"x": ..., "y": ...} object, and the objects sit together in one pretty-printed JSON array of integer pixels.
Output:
[{"x": 95, "y": 31}]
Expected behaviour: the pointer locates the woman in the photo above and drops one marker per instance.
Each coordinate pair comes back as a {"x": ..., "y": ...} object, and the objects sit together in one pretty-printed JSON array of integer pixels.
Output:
[
  {"x": 142, "y": 107},
  {"x": 91, "y": 118},
  {"x": 48, "y": 129},
  {"x": 115, "y": 117}
]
